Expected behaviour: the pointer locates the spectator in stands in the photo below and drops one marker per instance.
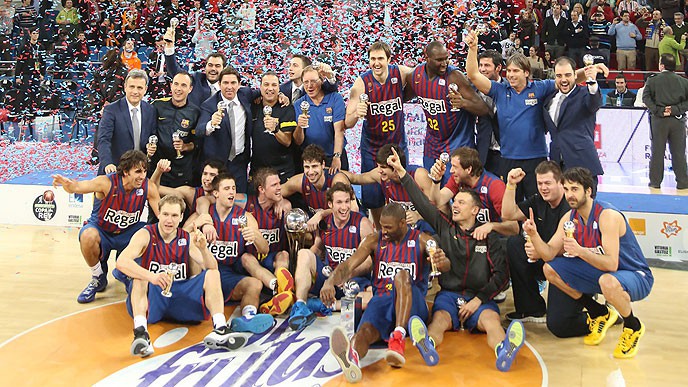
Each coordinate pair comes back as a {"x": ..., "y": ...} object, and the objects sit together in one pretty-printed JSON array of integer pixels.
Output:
[
  {"x": 669, "y": 8},
  {"x": 632, "y": 6},
  {"x": 527, "y": 30},
  {"x": 68, "y": 19},
  {"x": 670, "y": 44},
  {"x": 621, "y": 96},
  {"x": 600, "y": 55},
  {"x": 537, "y": 65},
  {"x": 549, "y": 65},
  {"x": 598, "y": 28},
  {"x": 6, "y": 27},
  {"x": 108, "y": 34},
  {"x": 131, "y": 21},
  {"x": 626, "y": 36},
  {"x": 158, "y": 85},
  {"x": 108, "y": 82},
  {"x": 535, "y": 19},
  {"x": 554, "y": 32},
  {"x": 604, "y": 8},
  {"x": 654, "y": 32},
  {"x": 30, "y": 67},
  {"x": 577, "y": 35},
  {"x": 79, "y": 53},
  {"x": 130, "y": 57},
  {"x": 26, "y": 18},
  {"x": 91, "y": 16},
  {"x": 508, "y": 43},
  {"x": 582, "y": 16},
  {"x": 680, "y": 28},
  {"x": 205, "y": 40},
  {"x": 515, "y": 49}
]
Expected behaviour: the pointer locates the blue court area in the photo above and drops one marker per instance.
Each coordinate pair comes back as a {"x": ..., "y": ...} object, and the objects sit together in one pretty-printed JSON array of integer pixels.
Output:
[{"x": 656, "y": 204}]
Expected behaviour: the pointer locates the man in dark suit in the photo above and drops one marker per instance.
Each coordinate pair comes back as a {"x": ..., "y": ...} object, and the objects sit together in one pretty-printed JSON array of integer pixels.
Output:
[
  {"x": 227, "y": 131},
  {"x": 126, "y": 123},
  {"x": 666, "y": 97},
  {"x": 490, "y": 63},
  {"x": 554, "y": 32},
  {"x": 569, "y": 116},
  {"x": 293, "y": 88}
]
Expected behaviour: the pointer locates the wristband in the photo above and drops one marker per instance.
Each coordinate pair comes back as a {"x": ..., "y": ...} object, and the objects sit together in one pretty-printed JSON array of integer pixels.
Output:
[
  {"x": 337, "y": 155},
  {"x": 511, "y": 187}
]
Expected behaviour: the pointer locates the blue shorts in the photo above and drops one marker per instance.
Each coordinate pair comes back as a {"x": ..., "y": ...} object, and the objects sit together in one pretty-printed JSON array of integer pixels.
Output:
[
  {"x": 371, "y": 194},
  {"x": 229, "y": 279},
  {"x": 110, "y": 241},
  {"x": 319, "y": 281},
  {"x": 428, "y": 162},
  {"x": 585, "y": 278},
  {"x": 268, "y": 262},
  {"x": 187, "y": 302},
  {"x": 446, "y": 301},
  {"x": 381, "y": 314}
]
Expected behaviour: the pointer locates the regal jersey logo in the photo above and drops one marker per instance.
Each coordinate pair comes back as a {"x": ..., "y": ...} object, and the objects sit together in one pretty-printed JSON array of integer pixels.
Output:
[
  {"x": 339, "y": 254},
  {"x": 121, "y": 219},
  {"x": 390, "y": 269},
  {"x": 433, "y": 106},
  {"x": 157, "y": 267},
  {"x": 222, "y": 250},
  {"x": 271, "y": 235},
  {"x": 386, "y": 108}
]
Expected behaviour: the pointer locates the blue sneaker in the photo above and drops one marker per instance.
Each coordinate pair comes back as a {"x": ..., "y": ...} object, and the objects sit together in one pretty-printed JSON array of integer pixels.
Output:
[
  {"x": 259, "y": 323},
  {"x": 316, "y": 306},
  {"x": 506, "y": 351},
  {"x": 419, "y": 336},
  {"x": 97, "y": 284},
  {"x": 123, "y": 278},
  {"x": 301, "y": 316}
]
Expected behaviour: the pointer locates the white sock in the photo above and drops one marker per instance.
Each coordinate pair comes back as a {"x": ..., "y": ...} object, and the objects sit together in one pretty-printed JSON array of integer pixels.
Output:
[
  {"x": 219, "y": 320},
  {"x": 140, "y": 321},
  {"x": 402, "y": 330},
  {"x": 96, "y": 270},
  {"x": 273, "y": 284},
  {"x": 249, "y": 311},
  {"x": 300, "y": 300}
]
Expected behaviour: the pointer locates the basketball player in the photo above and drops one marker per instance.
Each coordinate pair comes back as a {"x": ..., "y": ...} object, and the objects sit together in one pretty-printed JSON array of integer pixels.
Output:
[
  {"x": 383, "y": 112},
  {"x": 450, "y": 114},
  {"x": 602, "y": 256},
  {"x": 399, "y": 287},
  {"x": 119, "y": 200},
  {"x": 337, "y": 241},
  {"x": 194, "y": 296}
]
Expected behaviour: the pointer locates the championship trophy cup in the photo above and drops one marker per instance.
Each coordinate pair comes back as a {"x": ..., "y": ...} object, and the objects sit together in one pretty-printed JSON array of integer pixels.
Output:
[
  {"x": 348, "y": 307},
  {"x": 589, "y": 60},
  {"x": 152, "y": 140},
  {"x": 295, "y": 224},
  {"x": 454, "y": 89},
  {"x": 267, "y": 112},
  {"x": 315, "y": 65},
  {"x": 171, "y": 271},
  {"x": 242, "y": 222},
  {"x": 569, "y": 229},
  {"x": 444, "y": 158},
  {"x": 221, "y": 106},
  {"x": 527, "y": 238},
  {"x": 304, "y": 108},
  {"x": 170, "y": 32},
  {"x": 431, "y": 247},
  {"x": 176, "y": 136}
]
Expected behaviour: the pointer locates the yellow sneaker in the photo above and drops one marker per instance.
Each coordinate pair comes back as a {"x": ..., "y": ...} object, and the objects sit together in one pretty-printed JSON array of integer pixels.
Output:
[
  {"x": 628, "y": 343},
  {"x": 598, "y": 327},
  {"x": 285, "y": 281}
]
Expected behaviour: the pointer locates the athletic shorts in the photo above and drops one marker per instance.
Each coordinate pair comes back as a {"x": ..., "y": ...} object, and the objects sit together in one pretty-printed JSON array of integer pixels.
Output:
[
  {"x": 229, "y": 279},
  {"x": 446, "y": 301},
  {"x": 381, "y": 314},
  {"x": 110, "y": 241}
]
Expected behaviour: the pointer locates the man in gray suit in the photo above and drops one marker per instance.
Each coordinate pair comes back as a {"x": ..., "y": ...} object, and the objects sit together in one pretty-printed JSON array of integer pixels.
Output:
[{"x": 666, "y": 96}]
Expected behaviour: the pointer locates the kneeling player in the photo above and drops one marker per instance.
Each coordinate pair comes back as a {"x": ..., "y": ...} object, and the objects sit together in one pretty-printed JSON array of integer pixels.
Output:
[
  {"x": 338, "y": 240},
  {"x": 192, "y": 299},
  {"x": 399, "y": 288}
]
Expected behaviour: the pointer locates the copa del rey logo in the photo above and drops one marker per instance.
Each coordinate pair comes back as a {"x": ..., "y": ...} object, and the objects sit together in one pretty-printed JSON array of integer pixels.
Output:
[{"x": 279, "y": 357}]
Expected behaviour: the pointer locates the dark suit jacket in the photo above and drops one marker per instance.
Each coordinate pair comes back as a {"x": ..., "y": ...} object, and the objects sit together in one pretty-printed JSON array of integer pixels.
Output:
[
  {"x": 666, "y": 89},
  {"x": 573, "y": 139},
  {"x": 200, "y": 91},
  {"x": 217, "y": 145},
  {"x": 116, "y": 134},
  {"x": 485, "y": 127},
  {"x": 554, "y": 33},
  {"x": 327, "y": 87}
]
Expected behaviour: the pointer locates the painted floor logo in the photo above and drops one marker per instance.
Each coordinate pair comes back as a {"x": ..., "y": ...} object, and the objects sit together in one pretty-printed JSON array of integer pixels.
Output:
[{"x": 278, "y": 357}]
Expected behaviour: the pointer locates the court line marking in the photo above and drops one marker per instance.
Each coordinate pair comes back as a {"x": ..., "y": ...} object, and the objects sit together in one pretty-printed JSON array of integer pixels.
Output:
[{"x": 543, "y": 366}]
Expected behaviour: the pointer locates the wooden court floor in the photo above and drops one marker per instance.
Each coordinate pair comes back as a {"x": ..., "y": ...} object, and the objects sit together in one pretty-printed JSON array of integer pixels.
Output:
[{"x": 42, "y": 271}]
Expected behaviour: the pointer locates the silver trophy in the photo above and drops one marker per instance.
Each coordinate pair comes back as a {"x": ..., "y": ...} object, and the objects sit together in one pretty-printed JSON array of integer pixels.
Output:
[
  {"x": 569, "y": 229},
  {"x": 454, "y": 89},
  {"x": 171, "y": 272},
  {"x": 267, "y": 111},
  {"x": 305, "y": 106},
  {"x": 444, "y": 159},
  {"x": 170, "y": 32},
  {"x": 242, "y": 222},
  {"x": 295, "y": 224},
  {"x": 176, "y": 136},
  {"x": 527, "y": 239},
  {"x": 460, "y": 302},
  {"x": 431, "y": 247},
  {"x": 589, "y": 60},
  {"x": 221, "y": 106},
  {"x": 315, "y": 65},
  {"x": 153, "y": 139}
]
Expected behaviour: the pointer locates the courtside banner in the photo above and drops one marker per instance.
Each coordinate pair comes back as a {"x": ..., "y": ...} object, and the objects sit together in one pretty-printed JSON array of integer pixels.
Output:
[{"x": 43, "y": 205}]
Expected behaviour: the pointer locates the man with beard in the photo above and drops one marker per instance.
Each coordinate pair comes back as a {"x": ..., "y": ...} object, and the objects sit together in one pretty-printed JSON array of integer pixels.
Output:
[
  {"x": 118, "y": 203},
  {"x": 601, "y": 255},
  {"x": 450, "y": 114}
]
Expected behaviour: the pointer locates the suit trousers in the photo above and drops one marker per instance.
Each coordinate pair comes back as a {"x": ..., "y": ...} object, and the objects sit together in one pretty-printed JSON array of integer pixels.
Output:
[
  {"x": 565, "y": 316},
  {"x": 651, "y": 59},
  {"x": 673, "y": 130}
]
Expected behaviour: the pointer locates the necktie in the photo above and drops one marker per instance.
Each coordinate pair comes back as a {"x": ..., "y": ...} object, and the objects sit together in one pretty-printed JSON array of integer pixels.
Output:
[
  {"x": 136, "y": 125},
  {"x": 556, "y": 111},
  {"x": 295, "y": 94},
  {"x": 232, "y": 130}
]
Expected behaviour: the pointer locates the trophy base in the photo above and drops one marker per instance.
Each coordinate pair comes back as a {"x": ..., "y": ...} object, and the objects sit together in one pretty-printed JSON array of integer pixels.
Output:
[{"x": 166, "y": 294}]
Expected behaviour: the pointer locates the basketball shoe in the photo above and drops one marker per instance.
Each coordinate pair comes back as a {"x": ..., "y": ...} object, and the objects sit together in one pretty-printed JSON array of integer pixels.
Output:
[
  {"x": 141, "y": 346},
  {"x": 419, "y": 336},
  {"x": 627, "y": 346},
  {"x": 506, "y": 350},
  {"x": 97, "y": 284},
  {"x": 224, "y": 338},
  {"x": 395, "y": 350},
  {"x": 599, "y": 325},
  {"x": 340, "y": 347}
]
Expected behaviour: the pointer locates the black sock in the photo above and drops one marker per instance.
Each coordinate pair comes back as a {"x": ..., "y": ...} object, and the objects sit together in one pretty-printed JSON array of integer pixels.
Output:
[
  {"x": 632, "y": 322},
  {"x": 595, "y": 309}
]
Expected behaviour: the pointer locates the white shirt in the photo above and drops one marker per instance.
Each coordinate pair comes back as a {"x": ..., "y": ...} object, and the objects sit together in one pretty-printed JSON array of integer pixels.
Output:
[{"x": 592, "y": 89}]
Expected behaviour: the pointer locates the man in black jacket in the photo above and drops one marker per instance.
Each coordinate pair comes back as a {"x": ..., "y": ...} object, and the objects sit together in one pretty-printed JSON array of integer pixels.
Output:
[
  {"x": 554, "y": 32},
  {"x": 477, "y": 274},
  {"x": 577, "y": 35}
]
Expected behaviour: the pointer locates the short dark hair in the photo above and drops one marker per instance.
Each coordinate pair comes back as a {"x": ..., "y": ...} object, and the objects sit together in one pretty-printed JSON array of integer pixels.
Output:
[
  {"x": 339, "y": 187},
  {"x": 394, "y": 210},
  {"x": 304, "y": 59},
  {"x": 386, "y": 151},
  {"x": 565, "y": 59},
  {"x": 212, "y": 163},
  {"x": 262, "y": 175},
  {"x": 268, "y": 73},
  {"x": 219, "y": 178},
  {"x": 229, "y": 70},
  {"x": 620, "y": 76},
  {"x": 217, "y": 55},
  {"x": 580, "y": 176},
  {"x": 432, "y": 46},
  {"x": 380, "y": 46},
  {"x": 668, "y": 61},
  {"x": 623, "y": 12},
  {"x": 469, "y": 157},
  {"x": 313, "y": 152},
  {"x": 494, "y": 55},
  {"x": 549, "y": 166},
  {"x": 474, "y": 195},
  {"x": 131, "y": 159}
]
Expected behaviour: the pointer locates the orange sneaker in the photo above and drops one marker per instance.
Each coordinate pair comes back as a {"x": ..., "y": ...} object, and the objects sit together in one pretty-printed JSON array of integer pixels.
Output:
[
  {"x": 285, "y": 281},
  {"x": 279, "y": 304}
]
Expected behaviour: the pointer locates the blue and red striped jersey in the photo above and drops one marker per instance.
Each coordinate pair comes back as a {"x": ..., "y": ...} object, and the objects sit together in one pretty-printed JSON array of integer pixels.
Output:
[
  {"x": 341, "y": 243},
  {"x": 158, "y": 254},
  {"x": 271, "y": 227},
  {"x": 490, "y": 188},
  {"x": 396, "y": 193},
  {"x": 385, "y": 120},
  {"x": 230, "y": 243},
  {"x": 446, "y": 129},
  {"x": 119, "y": 210},
  {"x": 199, "y": 192},
  {"x": 316, "y": 199},
  {"x": 392, "y": 257}
]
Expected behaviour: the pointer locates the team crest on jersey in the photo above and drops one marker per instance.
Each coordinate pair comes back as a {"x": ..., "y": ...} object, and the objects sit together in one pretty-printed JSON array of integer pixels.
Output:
[
  {"x": 352, "y": 229},
  {"x": 182, "y": 242},
  {"x": 328, "y": 110},
  {"x": 184, "y": 123},
  {"x": 442, "y": 82},
  {"x": 139, "y": 192},
  {"x": 531, "y": 95},
  {"x": 594, "y": 225},
  {"x": 394, "y": 80},
  {"x": 481, "y": 249},
  {"x": 483, "y": 190},
  {"x": 411, "y": 243}
]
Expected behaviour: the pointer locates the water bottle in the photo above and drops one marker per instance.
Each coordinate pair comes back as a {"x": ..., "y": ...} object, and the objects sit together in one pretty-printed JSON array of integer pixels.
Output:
[
  {"x": 347, "y": 316},
  {"x": 619, "y": 100}
]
